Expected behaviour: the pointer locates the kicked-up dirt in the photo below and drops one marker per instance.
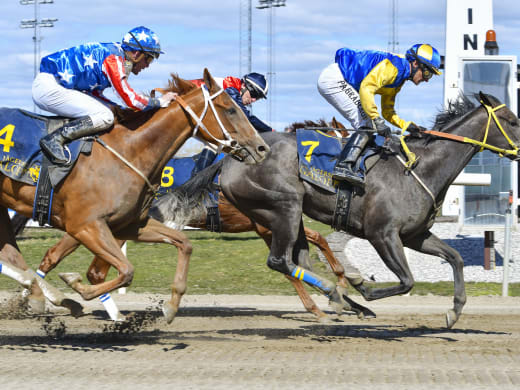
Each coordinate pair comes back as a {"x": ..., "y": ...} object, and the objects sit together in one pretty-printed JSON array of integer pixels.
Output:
[{"x": 262, "y": 342}]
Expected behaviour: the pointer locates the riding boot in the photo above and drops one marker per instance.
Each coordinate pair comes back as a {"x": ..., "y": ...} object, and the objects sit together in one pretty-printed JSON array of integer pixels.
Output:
[
  {"x": 52, "y": 144},
  {"x": 206, "y": 157},
  {"x": 348, "y": 157}
]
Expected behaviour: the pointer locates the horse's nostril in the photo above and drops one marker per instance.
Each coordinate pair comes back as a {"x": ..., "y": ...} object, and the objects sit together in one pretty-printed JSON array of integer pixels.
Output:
[
  {"x": 234, "y": 143},
  {"x": 261, "y": 149}
]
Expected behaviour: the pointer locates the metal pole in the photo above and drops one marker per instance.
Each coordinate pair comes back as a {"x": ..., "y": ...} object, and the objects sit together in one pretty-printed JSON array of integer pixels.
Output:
[{"x": 507, "y": 246}]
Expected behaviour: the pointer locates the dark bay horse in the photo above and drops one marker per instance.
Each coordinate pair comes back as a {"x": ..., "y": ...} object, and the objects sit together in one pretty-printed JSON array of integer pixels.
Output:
[
  {"x": 396, "y": 209},
  {"x": 107, "y": 197}
]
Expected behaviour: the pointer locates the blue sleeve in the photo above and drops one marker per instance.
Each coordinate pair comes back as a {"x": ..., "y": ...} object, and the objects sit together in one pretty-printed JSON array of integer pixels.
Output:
[{"x": 260, "y": 126}]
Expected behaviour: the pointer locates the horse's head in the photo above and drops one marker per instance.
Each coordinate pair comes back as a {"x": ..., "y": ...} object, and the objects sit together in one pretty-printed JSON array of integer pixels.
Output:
[
  {"x": 227, "y": 125},
  {"x": 502, "y": 130}
]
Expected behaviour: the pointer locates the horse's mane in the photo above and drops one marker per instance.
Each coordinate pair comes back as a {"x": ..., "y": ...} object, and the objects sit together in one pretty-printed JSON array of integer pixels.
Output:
[
  {"x": 300, "y": 125},
  {"x": 456, "y": 109},
  {"x": 175, "y": 84}
]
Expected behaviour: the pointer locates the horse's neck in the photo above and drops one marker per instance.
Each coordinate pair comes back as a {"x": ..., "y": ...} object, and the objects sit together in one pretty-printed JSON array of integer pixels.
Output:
[
  {"x": 152, "y": 145},
  {"x": 443, "y": 160}
]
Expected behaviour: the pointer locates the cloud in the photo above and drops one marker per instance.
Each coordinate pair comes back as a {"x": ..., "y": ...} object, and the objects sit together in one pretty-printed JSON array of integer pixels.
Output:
[{"x": 205, "y": 33}]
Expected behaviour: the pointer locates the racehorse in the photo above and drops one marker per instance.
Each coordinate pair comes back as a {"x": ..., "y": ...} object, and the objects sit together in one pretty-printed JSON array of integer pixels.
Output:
[
  {"x": 397, "y": 207},
  {"x": 107, "y": 194},
  {"x": 232, "y": 221}
]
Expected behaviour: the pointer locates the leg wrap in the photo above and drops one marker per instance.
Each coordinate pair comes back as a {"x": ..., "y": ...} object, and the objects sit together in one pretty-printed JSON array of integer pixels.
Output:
[{"x": 324, "y": 285}]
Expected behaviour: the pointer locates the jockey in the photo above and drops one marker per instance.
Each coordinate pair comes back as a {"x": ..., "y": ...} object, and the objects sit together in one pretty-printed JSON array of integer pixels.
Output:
[
  {"x": 245, "y": 91},
  {"x": 350, "y": 83},
  {"x": 71, "y": 84}
]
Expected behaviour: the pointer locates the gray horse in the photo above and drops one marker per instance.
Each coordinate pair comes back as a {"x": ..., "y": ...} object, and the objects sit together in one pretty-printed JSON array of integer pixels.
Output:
[{"x": 396, "y": 209}]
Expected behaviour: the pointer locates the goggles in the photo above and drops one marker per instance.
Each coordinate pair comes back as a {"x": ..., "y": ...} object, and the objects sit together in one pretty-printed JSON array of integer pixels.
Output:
[
  {"x": 255, "y": 94},
  {"x": 427, "y": 73}
]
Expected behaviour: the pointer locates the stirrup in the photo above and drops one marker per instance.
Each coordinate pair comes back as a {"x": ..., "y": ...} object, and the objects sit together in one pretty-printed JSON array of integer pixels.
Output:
[{"x": 345, "y": 174}]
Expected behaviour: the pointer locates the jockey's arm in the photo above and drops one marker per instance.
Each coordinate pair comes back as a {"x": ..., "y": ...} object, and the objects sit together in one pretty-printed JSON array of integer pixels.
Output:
[
  {"x": 375, "y": 81},
  {"x": 114, "y": 70},
  {"x": 388, "y": 110},
  {"x": 99, "y": 95}
]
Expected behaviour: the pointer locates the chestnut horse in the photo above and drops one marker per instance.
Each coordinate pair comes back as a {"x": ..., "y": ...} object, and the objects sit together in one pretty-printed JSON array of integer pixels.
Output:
[{"x": 108, "y": 193}]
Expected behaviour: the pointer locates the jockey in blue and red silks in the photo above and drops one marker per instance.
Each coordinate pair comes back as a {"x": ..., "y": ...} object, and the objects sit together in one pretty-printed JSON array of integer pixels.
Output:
[
  {"x": 350, "y": 83},
  {"x": 71, "y": 84},
  {"x": 245, "y": 91}
]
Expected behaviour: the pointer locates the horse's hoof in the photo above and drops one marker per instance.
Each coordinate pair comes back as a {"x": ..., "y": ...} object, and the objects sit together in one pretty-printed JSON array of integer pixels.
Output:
[
  {"x": 451, "y": 318},
  {"x": 324, "y": 319},
  {"x": 119, "y": 318},
  {"x": 36, "y": 305},
  {"x": 354, "y": 279},
  {"x": 76, "y": 310},
  {"x": 169, "y": 312},
  {"x": 337, "y": 303},
  {"x": 71, "y": 278}
]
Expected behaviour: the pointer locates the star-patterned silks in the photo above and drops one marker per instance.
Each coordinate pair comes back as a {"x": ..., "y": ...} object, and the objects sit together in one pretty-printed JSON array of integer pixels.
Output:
[
  {"x": 66, "y": 76},
  {"x": 89, "y": 60}
]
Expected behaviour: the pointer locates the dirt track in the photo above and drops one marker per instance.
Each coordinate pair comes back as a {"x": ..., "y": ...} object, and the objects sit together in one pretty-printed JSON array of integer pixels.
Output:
[{"x": 245, "y": 342}]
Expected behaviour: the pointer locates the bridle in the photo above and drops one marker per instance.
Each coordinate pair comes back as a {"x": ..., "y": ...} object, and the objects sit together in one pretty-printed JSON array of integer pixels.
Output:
[{"x": 236, "y": 149}]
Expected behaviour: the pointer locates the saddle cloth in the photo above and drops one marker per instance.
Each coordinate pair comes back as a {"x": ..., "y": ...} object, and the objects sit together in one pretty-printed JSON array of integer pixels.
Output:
[
  {"x": 318, "y": 153},
  {"x": 178, "y": 171},
  {"x": 20, "y": 155}
]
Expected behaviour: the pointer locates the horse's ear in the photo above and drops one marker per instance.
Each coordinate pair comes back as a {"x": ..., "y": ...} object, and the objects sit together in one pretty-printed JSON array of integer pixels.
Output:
[
  {"x": 484, "y": 99},
  {"x": 210, "y": 82},
  {"x": 334, "y": 122}
]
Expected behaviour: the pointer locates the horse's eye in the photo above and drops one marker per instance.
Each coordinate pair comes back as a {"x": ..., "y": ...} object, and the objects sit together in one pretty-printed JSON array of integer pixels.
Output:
[{"x": 231, "y": 111}]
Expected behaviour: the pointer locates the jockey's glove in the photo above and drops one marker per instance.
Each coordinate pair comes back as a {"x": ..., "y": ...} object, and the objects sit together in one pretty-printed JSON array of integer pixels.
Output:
[
  {"x": 165, "y": 99},
  {"x": 381, "y": 127},
  {"x": 414, "y": 130}
]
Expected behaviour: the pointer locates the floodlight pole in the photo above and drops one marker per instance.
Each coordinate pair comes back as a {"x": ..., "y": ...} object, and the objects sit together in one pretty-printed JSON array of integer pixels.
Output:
[
  {"x": 271, "y": 4},
  {"x": 36, "y": 23}
]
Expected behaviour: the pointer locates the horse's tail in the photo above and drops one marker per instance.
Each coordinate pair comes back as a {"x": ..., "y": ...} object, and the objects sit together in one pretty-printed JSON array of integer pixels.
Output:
[
  {"x": 18, "y": 223},
  {"x": 187, "y": 202}
]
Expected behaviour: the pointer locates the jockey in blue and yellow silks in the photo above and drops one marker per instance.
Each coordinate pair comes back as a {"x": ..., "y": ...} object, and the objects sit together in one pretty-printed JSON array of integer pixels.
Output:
[
  {"x": 71, "y": 84},
  {"x": 351, "y": 83}
]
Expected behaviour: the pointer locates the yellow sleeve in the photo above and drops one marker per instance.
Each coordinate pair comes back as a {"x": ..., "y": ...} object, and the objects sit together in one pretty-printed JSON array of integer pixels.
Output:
[
  {"x": 382, "y": 74},
  {"x": 387, "y": 107}
]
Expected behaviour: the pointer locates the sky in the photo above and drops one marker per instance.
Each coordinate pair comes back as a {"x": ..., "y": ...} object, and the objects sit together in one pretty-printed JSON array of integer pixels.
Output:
[{"x": 205, "y": 33}]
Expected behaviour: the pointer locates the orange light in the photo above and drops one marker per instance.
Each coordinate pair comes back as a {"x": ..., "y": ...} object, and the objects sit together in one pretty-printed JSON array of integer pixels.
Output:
[{"x": 491, "y": 36}]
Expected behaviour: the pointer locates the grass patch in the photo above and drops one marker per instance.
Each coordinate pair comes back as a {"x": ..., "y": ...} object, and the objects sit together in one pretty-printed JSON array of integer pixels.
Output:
[{"x": 220, "y": 264}]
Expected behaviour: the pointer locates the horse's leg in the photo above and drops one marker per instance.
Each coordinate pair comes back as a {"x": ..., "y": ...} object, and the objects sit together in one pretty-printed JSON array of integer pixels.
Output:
[
  {"x": 305, "y": 297},
  {"x": 96, "y": 274},
  {"x": 307, "y": 301},
  {"x": 430, "y": 244},
  {"x": 57, "y": 253},
  {"x": 289, "y": 243},
  {"x": 154, "y": 231},
  {"x": 97, "y": 237},
  {"x": 390, "y": 248},
  {"x": 16, "y": 268},
  {"x": 317, "y": 239}
]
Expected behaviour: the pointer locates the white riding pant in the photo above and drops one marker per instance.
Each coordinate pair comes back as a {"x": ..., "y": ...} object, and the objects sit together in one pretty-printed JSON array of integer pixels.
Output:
[
  {"x": 342, "y": 96},
  {"x": 51, "y": 96}
]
